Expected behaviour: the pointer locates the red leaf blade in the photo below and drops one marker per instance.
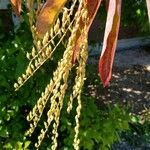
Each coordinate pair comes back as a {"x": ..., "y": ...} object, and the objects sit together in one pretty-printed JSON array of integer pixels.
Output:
[
  {"x": 16, "y": 5},
  {"x": 110, "y": 41},
  {"x": 148, "y": 8},
  {"x": 92, "y": 6},
  {"x": 48, "y": 15}
]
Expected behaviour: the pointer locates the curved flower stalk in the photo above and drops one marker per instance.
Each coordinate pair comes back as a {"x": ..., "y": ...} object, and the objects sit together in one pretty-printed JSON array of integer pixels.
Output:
[
  {"x": 50, "y": 22},
  {"x": 68, "y": 21}
]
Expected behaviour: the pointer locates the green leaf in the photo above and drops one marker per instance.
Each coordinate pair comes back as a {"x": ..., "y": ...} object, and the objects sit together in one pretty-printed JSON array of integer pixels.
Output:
[
  {"x": 3, "y": 81},
  {"x": 3, "y": 132},
  {"x": 26, "y": 145},
  {"x": 19, "y": 145}
]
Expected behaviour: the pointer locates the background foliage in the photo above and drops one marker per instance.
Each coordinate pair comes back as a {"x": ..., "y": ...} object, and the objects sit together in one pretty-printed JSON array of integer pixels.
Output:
[
  {"x": 133, "y": 16},
  {"x": 135, "y": 13}
]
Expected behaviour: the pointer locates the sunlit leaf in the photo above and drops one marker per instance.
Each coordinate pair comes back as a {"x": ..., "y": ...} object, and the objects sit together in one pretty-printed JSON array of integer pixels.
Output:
[
  {"x": 26, "y": 145},
  {"x": 148, "y": 8},
  {"x": 16, "y": 4},
  {"x": 48, "y": 15},
  {"x": 110, "y": 41},
  {"x": 92, "y": 7}
]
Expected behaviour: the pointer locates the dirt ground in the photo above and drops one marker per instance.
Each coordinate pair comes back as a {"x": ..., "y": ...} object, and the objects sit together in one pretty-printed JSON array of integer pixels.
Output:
[{"x": 130, "y": 84}]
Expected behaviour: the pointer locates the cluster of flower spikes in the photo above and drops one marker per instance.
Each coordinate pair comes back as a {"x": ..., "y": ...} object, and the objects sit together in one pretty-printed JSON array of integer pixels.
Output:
[{"x": 56, "y": 89}]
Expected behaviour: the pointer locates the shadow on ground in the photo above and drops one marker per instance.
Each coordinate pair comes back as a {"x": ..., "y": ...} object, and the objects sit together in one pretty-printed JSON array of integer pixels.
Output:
[{"x": 130, "y": 84}]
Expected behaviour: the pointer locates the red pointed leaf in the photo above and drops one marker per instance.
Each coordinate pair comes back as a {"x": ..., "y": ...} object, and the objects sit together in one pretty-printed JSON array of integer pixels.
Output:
[
  {"x": 110, "y": 41},
  {"x": 16, "y": 4},
  {"x": 148, "y": 8},
  {"x": 106, "y": 4},
  {"x": 92, "y": 6},
  {"x": 48, "y": 15}
]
